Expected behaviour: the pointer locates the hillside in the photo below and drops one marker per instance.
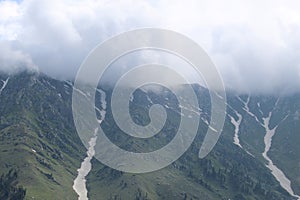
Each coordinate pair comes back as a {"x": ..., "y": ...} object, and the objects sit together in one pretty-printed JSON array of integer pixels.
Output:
[
  {"x": 40, "y": 147},
  {"x": 38, "y": 139}
]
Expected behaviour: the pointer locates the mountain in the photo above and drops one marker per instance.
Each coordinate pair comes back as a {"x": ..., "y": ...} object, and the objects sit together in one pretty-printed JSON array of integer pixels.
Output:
[
  {"x": 37, "y": 135},
  {"x": 40, "y": 150},
  {"x": 229, "y": 172}
]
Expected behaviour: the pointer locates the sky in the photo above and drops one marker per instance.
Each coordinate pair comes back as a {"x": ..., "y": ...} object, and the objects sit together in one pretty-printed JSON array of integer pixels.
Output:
[{"x": 255, "y": 44}]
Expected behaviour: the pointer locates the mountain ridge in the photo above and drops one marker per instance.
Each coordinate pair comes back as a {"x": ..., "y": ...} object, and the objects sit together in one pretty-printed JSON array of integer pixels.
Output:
[{"x": 39, "y": 140}]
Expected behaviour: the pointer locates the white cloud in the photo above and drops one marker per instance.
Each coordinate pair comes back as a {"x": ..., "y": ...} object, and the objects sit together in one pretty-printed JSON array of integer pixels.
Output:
[
  {"x": 13, "y": 59},
  {"x": 256, "y": 44},
  {"x": 9, "y": 12}
]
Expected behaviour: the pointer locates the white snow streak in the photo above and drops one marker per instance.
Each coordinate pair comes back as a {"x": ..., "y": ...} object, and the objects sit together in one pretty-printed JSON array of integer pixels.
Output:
[
  {"x": 4, "y": 85},
  {"x": 277, "y": 173},
  {"x": 79, "y": 185},
  {"x": 247, "y": 109},
  {"x": 236, "y": 124},
  {"x": 80, "y": 182}
]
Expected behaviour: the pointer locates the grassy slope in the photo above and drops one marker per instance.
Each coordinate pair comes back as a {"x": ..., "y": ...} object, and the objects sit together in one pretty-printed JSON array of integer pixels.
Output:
[
  {"x": 227, "y": 173},
  {"x": 36, "y": 117},
  {"x": 36, "y": 140},
  {"x": 285, "y": 144},
  {"x": 285, "y": 147}
]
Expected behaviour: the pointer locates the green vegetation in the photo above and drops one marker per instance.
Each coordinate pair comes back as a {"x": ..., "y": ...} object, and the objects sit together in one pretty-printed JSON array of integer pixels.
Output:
[
  {"x": 40, "y": 151},
  {"x": 37, "y": 136},
  {"x": 227, "y": 173},
  {"x": 285, "y": 147},
  {"x": 9, "y": 188}
]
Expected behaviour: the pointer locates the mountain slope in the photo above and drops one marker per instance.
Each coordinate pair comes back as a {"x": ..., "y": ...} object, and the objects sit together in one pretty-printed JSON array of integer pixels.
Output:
[
  {"x": 229, "y": 172},
  {"x": 37, "y": 136},
  {"x": 38, "y": 141}
]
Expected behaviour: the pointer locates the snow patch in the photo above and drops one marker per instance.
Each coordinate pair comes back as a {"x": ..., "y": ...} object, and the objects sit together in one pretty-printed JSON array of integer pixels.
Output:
[
  {"x": 79, "y": 185},
  {"x": 236, "y": 124},
  {"x": 247, "y": 109},
  {"x": 277, "y": 173},
  {"x": 4, "y": 85}
]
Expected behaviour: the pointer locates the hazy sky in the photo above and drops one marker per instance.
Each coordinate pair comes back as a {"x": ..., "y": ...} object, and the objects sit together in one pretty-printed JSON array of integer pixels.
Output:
[{"x": 255, "y": 44}]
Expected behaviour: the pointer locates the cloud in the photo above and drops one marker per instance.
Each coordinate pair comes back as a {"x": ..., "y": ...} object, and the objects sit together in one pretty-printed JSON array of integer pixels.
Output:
[
  {"x": 255, "y": 44},
  {"x": 58, "y": 35},
  {"x": 13, "y": 60},
  {"x": 249, "y": 63}
]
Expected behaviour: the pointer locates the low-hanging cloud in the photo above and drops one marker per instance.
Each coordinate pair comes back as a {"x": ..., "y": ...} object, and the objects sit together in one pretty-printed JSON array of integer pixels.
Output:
[
  {"x": 12, "y": 59},
  {"x": 255, "y": 44}
]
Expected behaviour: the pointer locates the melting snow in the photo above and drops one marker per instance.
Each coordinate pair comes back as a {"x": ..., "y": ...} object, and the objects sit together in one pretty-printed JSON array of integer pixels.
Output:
[
  {"x": 79, "y": 185},
  {"x": 247, "y": 109},
  {"x": 277, "y": 173},
  {"x": 4, "y": 85}
]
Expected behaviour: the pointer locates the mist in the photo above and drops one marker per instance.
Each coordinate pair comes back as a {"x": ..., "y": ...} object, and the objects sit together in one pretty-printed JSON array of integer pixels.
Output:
[{"x": 254, "y": 44}]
